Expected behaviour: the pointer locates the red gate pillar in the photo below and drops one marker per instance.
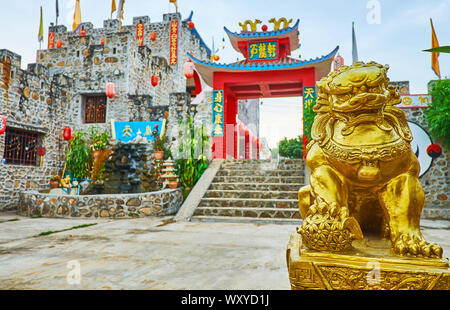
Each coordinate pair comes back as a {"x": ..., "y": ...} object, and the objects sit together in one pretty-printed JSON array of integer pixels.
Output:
[
  {"x": 257, "y": 148},
  {"x": 247, "y": 144},
  {"x": 230, "y": 121}
]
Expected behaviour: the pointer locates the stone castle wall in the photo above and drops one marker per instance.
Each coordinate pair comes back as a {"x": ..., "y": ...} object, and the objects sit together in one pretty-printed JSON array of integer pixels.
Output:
[
  {"x": 32, "y": 100},
  {"x": 49, "y": 95},
  {"x": 436, "y": 181}
]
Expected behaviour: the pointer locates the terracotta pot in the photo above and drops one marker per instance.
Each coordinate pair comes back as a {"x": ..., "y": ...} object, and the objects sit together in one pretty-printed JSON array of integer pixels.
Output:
[
  {"x": 173, "y": 184},
  {"x": 159, "y": 155},
  {"x": 97, "y": 154},
  {"x": 54, "y": 184}
]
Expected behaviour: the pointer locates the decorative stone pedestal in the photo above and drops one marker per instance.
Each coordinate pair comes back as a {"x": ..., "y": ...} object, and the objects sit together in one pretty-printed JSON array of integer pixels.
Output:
[{"x": 369, "y": 266}]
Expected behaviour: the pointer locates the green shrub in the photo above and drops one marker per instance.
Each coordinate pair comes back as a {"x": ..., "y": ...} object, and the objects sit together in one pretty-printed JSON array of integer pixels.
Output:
[
  {"x": 438, "y": 114},
  {"x": 79, "y": 161},
  {"x": 192, "y": 161},
  {"x": 291, "y": 148}
]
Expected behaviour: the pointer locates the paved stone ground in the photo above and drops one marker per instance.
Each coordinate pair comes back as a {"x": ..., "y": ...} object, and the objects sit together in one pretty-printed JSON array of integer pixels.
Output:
[{"x": 152, "y": 253}]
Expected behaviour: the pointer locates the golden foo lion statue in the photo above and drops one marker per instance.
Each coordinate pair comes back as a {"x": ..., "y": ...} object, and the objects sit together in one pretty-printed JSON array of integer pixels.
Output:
[{"x": 364, "y": 175}]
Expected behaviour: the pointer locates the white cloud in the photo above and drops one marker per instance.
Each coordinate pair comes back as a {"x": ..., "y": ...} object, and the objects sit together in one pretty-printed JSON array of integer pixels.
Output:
[{"x": 70, "y": 9}]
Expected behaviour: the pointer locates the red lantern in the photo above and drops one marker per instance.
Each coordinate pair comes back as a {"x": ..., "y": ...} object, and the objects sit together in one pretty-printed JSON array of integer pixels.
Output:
[
  {"x": 264, "y": 28},
  {"x": 216, "y": 57},
  {"x": 188, "y": 69},
  {"x": 82, "y": 32},
  {"x": 191, "y": 24},
  {"x": 102, "y": 41},
  {"x": 41, "y": 153},
  {"x": 110, "y": 93},
  {"x": 67, "y": 133},
  {"x": 59, "y": 44},
  {"x": 155, "y": 80},
  {"x": 2, "y": 124},
  {"x": 153, "y": 36}
]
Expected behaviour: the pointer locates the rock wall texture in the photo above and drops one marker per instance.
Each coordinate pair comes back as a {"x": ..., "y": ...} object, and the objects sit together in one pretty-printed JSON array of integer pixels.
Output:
[
  {"x": 34, "y": 101},
  {"x": 161, "y": 203},
  {"x": 436, "y": 181}
]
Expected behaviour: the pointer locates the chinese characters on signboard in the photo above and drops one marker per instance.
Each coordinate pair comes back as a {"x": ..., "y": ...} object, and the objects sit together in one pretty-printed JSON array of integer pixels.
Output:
[
  {"x": 217, "y": 113},
  {"x": 258, "y": 51},
  {"x": 414, "y": 101},
  {"x": 140, "y": 34},
  {"x": 309, "y": 100},
  {"x": 51, "y": 40},
  {"x": 128, "y": 131},
  {"x": 173, "y": 53}
]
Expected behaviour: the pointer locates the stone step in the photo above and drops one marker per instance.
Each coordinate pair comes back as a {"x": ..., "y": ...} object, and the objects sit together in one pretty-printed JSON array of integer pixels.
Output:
[
  {"x": 257, "y": 186},
  {"x": 260, "y": 172},
  {"x": 264, "y": 166},
  {"x": 259, "y": 179},
  {"x": 263, "y": 161},
  {"x": 290, "y": 213},
  {"x": 249, "y": 203},
  {"x": 253, "y": 194},
  {"x": 245, "y": 220}
]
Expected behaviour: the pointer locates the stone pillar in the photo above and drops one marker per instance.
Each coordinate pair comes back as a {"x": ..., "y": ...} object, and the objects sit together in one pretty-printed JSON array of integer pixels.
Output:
[{"x": 171, "y": 16}]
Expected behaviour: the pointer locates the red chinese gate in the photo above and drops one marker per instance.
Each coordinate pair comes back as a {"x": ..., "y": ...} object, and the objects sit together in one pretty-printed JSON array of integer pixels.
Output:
[{"x": 267, "y": 71}]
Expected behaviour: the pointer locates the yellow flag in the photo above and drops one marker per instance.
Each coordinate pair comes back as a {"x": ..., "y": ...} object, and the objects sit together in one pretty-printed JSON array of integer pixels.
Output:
[
  {"x": 434, "y": 56},
  {"x": 76, "y": 16},
  {"x": 113, "y": 7},
  {"x": 120, "y": 11},
  {"x": 41, "y": 29}
]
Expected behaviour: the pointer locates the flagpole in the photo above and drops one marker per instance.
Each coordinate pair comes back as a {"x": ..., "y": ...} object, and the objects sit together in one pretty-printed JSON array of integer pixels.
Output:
[{"x": 57, "y": 12}]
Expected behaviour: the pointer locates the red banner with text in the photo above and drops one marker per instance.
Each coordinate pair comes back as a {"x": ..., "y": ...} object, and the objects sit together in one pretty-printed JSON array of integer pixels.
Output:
[
  {"x": 51, "y": 40},
  {"x": 140, "y": 34},
  {"x": 173, "y": 57}
]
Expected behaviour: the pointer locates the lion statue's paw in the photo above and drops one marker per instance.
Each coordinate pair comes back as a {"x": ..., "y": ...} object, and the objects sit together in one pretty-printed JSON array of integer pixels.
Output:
[
  {"x": 329, "y": 227},
  {"x": 415, "y": 245}
]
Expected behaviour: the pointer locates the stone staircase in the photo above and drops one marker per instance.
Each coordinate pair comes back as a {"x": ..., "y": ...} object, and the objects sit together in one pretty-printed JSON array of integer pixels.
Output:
[{"x": 253, "y": 191}]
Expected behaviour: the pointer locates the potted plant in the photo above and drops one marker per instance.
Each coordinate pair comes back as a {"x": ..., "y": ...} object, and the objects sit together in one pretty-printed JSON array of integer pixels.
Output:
[
  {"x": 99, "y": 143},
  {"x": 99, "y": 140},
  {"x": 173, "y": 183},
  {"x": 158, "y": 144},
  {"x": 54, "y": 182}
]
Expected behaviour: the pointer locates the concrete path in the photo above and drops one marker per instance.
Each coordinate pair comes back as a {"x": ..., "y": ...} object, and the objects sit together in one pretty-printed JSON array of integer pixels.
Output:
[{"x": 151, "y": 253}]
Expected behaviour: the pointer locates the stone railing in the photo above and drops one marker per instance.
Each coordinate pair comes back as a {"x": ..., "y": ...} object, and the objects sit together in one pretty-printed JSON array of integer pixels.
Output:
[{"x": 161, "y": 203}]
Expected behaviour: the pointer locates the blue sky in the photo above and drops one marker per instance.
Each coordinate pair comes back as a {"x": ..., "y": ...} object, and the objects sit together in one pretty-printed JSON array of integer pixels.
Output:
[{"x": 398, "y": 40}]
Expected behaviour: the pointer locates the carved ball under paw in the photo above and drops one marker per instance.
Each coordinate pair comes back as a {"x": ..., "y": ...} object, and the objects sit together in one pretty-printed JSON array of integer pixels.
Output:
[
  {"x": 329, "y": 228},
  {"x": 413, "y": 245}
]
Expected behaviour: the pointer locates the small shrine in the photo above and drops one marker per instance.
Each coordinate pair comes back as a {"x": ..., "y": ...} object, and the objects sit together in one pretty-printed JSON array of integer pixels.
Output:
[{"x": 169, "y": 177}]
